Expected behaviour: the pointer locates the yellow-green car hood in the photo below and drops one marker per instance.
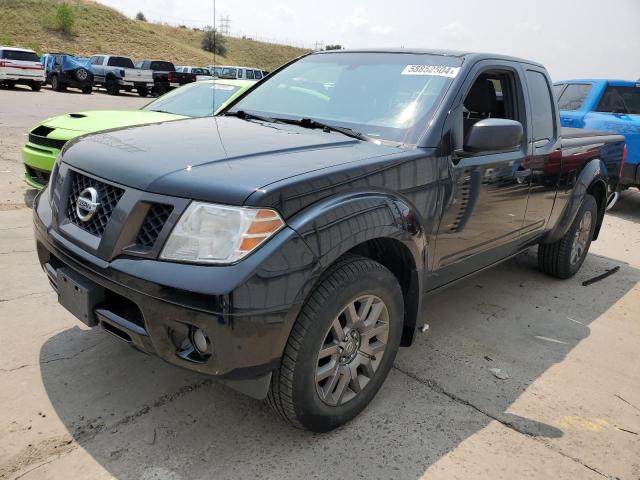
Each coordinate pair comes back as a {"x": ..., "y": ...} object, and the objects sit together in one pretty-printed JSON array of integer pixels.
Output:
[{"x": 95, "y": 121}]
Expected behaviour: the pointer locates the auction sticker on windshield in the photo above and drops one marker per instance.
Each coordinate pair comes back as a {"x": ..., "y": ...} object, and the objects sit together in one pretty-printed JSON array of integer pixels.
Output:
[{"x": 438, "y": 70}]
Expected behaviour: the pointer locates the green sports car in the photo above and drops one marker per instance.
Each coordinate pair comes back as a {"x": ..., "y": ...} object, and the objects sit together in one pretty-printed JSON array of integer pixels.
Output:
[{"x": 193, "y": 100}]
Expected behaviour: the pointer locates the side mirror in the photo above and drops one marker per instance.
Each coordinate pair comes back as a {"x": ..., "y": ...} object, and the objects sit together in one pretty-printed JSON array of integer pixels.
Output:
[{"x": 493, "y": 134}]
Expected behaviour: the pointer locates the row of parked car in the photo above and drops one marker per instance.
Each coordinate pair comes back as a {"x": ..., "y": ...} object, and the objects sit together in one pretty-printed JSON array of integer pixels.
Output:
[{"x": 111, "y": 72}]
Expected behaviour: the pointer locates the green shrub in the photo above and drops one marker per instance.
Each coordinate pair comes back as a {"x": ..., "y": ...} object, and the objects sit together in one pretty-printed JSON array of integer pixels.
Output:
[
  {"x": 65, "y": 18},
  {"x": 140, "y": 16},
  {"x": 214, "y": 42}
]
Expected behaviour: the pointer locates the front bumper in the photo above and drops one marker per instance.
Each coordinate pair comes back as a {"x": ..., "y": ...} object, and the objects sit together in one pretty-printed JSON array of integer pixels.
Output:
[
  {"x": 38, "y": 161},
  {"x": 246, "y": 309}
]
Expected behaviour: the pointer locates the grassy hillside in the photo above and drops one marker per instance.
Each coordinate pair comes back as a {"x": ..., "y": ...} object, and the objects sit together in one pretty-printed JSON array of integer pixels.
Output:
[{"x": 100, "y": 29}]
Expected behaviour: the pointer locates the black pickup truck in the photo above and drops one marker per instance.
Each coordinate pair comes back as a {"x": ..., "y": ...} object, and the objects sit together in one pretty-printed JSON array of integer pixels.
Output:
[
  {"x": 286, "y": 246},
  {"x": 165, "y": 76}
]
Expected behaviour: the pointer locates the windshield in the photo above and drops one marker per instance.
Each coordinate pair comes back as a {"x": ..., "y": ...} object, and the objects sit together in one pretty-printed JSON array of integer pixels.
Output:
[
  {"x": 199, "y": 99},
  {"x": 387, "y": 96},
  {"x": 229, "y": 72},
  {"x": 19, "y": 56},
  {"x": 122, "y": 62},
  {"x": 200, "y": 71}
]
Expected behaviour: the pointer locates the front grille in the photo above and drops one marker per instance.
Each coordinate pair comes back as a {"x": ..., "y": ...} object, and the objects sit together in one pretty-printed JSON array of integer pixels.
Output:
[
  {"x": 39, "y": 176},
  {"x": 156, "y": 218},
  {"x": 108, "y": 197},
  {"x": 46, "y": 142}
]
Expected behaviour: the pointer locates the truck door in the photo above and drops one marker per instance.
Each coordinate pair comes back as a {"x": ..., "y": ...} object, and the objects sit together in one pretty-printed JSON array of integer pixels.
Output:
[
  {"x": 485, "y": 209},
  {"x": 543, "y": 164}
]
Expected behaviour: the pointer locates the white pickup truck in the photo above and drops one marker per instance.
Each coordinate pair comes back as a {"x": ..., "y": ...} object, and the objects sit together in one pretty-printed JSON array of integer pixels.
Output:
[
  {"x": 115, "y": 73},
  {"x": 20, "y": 66}
]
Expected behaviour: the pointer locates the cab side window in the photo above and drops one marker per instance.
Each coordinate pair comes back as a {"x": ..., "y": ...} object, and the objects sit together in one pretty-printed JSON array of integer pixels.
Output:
[
  {"x": 542, "y": 109},
  {"x": 492, "y": 95},
  {"x": 250, "y": 75}
]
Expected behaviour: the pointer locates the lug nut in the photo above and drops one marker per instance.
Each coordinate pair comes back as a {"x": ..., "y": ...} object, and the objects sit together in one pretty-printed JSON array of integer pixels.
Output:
[{"x": 354, "y": 334}]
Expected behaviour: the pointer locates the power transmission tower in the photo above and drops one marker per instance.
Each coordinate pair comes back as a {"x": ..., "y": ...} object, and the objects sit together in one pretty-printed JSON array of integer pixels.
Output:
[
  {"x": 224, "y": 25},
  {"x": 319, "y": 46}
]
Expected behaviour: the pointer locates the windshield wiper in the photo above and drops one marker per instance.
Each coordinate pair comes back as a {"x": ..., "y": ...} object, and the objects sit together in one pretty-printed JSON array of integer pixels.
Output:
[
  {"x": 311, "y": 123},
  {"x": 249, "y": 116}
]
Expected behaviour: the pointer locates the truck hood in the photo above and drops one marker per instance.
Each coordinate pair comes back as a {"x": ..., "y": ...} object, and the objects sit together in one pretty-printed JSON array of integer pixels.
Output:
[
  {"x": 223, "y": 159},
  {"x": 95, "y": 121}
]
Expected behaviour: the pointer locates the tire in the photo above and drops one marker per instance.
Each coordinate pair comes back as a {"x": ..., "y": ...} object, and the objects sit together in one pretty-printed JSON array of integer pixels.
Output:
[
  {"x": 128, "y": 88},
  {"x": 159, "y": 88},
  {"x": 55, "y": 84},
  {"x": 36, "y": 86},
  {"x": 87, "y": 90},
  {"x": 10, "y": 84},
  {"x": 313, "y": 349},
  {"x": 112, "y": 86},
  {"x": 564, "y": 258},
  {"x": 143, "y": 91}
]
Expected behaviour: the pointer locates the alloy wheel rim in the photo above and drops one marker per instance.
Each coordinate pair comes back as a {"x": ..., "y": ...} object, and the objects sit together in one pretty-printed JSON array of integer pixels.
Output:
[
  {"x": 581, "y": 238},
  {"x": 352, "y": 350}
]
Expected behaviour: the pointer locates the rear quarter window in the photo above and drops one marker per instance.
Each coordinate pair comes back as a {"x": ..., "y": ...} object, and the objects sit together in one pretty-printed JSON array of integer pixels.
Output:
[
  {"x": 574, "y": 96},
  {"x": 620, "y": 100},
  {"x": 122, "y": 62}
]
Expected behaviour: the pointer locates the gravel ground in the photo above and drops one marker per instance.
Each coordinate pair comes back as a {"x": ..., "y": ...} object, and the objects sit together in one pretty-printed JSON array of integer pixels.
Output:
[{"x": 76, "y": 403}]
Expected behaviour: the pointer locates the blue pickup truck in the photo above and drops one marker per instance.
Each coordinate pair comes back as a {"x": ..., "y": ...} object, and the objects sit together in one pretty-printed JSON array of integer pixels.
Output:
[{"x": 609, "y": 105}]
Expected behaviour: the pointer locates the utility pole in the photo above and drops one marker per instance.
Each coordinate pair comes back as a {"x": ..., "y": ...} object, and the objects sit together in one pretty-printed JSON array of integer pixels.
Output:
[
  {"x": 319, "y": 46},
  {"x": 224, "y": 25}
]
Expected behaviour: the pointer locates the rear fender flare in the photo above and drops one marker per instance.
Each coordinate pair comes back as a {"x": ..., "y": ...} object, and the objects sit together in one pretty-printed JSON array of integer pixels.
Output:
[{"x": 592, "y": 173}]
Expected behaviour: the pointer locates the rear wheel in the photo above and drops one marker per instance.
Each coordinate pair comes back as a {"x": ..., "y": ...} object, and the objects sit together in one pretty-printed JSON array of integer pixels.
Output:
[
  {"x": 143, "y": 91},
  {"x": 341, "y": 347},
  {"x": 36, "y": 86},
  {"x": 112, "y": 86},
  {"x": 88, "y": 89},
  {"x": 564, "y": 258},
  {"x": 159, "y": 88},
  {"x": 10, "y": 84}
]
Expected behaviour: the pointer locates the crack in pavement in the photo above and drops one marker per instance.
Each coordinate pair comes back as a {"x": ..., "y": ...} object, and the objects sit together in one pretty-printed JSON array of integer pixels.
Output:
[
  {"x": 16, "y": 251},
  {"x": 51, "y": 360},
  {"x": 91, "y": 428},
  {"x": 433, "y": 385},
  {"x": 24, "y": 296}
]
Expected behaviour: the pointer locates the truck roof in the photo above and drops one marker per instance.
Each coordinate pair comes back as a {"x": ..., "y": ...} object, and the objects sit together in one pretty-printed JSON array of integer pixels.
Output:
[
  {"x": 15, "y": 49},
  {"x": 465, "y": 55},
  {"x": 617, "y": 82}
]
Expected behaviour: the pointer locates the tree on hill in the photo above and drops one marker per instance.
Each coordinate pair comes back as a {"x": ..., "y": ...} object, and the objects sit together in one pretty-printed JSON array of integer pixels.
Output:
[
  {"x": 65, "y": 18},
  {"x": 213, "y": 41},
  {"x": 140, "y": 16}
]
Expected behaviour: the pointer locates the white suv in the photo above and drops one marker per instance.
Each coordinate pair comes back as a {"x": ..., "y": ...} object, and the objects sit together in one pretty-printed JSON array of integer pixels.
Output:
[{"x": 21, "y": 66}]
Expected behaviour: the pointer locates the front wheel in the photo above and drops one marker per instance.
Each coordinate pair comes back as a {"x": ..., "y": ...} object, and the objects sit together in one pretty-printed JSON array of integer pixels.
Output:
[
  {"x": 143, "y": 91},
  {"x": 87, "y": 90},
  {"x": 341, "y": 347},
  {"x": 564, "y": 258}
]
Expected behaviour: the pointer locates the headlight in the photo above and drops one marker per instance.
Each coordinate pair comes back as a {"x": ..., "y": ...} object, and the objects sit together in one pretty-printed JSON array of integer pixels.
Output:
[{"x": 208, "y": 233}]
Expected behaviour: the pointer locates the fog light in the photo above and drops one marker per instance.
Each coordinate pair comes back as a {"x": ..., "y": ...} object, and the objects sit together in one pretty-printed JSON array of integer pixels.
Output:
[{"x": 200, "y": 340}]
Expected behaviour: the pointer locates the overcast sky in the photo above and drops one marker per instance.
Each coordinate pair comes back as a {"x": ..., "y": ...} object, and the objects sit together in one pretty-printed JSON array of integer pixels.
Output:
[{"x": 573, "y": 38}]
